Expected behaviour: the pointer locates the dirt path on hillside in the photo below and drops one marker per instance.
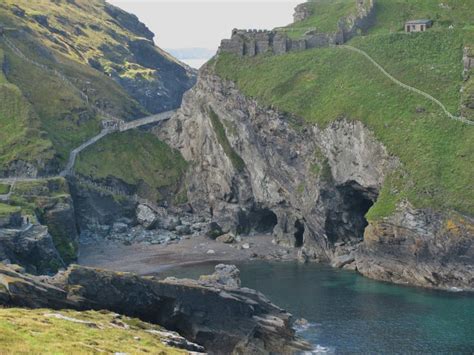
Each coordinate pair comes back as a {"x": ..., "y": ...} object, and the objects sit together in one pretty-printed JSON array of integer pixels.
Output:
[{"x": 148, "y": 259}]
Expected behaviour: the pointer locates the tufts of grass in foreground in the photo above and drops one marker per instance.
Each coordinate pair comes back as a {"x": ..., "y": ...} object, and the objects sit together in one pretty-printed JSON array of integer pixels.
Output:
[
  {"x": 323, "y": 85},
  {"x": 33, "y": 332}
]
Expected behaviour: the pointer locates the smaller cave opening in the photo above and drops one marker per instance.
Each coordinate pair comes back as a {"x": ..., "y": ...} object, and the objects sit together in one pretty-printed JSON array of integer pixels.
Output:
[
  {"x": 258, "y": 220},
  {"x": 299, "y": 234}
]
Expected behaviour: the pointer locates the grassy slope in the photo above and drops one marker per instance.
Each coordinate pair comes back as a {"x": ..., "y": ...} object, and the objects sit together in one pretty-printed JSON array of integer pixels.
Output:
[
  {"x": 4, "y": 189},
  {"x": 6, "y": 210},
  {"x": 89, "y": 32},
  {"x": 20, "y": 137},
  {"x": 324, "y": 84},
  {"x": 134, "y": 157},
  {"x": 62, "y": 113},
  {"x": 31, "y": 332}
]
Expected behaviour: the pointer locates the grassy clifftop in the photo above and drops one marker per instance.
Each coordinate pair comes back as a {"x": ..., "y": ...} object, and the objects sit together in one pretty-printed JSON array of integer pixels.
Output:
[
  {"x": 322, "y": 85},
  {"x": 71, "y": 332}
]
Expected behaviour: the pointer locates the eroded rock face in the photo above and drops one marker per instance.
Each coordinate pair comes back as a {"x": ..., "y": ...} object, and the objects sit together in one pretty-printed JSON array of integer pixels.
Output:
[
  {"x": 223, "y": 318},
  {"x": 420, "y": 247},
  {"x": 32, "y": 248},
  {"x": 262, "y": 170},
  {"x": 298, "y": 182}
]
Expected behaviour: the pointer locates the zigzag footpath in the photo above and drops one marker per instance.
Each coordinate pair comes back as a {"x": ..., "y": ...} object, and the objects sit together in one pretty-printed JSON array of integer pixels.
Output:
[{"x": 407, "y": 87}]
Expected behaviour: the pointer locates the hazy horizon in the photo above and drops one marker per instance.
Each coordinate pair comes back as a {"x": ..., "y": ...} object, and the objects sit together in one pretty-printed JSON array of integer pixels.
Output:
[{"x": 186, "y": 24}]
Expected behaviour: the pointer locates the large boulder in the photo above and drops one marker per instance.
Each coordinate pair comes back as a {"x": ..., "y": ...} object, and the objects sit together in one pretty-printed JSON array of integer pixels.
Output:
[
  {"x": 146, "y": 217},
  {"x": 226, "y": 275}
]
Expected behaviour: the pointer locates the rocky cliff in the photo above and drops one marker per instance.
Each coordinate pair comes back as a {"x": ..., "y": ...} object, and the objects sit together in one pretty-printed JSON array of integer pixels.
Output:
[
  {"x": 257, "y": 169},
  {"x": 213, "y": 312}
]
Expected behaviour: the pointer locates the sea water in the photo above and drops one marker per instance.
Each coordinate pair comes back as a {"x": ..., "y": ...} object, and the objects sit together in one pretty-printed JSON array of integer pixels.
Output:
[{"x": 348, "y": 313}]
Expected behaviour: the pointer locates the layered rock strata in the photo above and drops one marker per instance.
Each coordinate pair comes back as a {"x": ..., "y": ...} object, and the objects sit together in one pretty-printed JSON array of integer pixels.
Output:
[{"x": 219, "y": 315}]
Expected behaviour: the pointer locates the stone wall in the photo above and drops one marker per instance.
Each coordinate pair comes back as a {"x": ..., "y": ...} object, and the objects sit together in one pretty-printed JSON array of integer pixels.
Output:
[{"x": 253, "y": 42}]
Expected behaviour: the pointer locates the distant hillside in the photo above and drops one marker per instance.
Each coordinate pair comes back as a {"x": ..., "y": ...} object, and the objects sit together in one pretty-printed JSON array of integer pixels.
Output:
[
  {"x": 65, "y": 64},
  {"x": 322, "y": 85}
]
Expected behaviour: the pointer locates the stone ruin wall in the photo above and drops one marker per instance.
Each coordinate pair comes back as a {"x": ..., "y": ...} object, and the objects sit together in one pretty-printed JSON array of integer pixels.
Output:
[{"x": 253, "y": 42}]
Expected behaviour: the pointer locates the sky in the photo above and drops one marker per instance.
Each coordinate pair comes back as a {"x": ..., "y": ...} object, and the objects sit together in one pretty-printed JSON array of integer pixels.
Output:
[{"x": 202, "y": 24}]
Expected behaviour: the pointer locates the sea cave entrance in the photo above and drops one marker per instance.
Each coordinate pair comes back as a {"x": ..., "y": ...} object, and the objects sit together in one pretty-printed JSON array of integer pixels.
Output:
[
  {"x": 347, "y": 207},
  {"x": 299, "y": 234},
  {"x": 258, "y": 220}
]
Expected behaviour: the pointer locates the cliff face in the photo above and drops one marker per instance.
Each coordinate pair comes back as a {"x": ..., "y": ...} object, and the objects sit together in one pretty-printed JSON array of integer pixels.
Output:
[{"x": 257, "y": 169}]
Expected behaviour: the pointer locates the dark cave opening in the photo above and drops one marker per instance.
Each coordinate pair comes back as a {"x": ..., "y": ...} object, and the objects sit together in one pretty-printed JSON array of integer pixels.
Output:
[
  {"x": 348, "y": 205},
  {"x": 258, "y": 220},
  {"x": 299, "y": 234}
]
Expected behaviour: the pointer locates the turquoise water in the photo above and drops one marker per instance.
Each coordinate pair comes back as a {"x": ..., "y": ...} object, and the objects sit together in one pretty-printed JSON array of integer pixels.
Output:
[{"x": 352, "y": 314}]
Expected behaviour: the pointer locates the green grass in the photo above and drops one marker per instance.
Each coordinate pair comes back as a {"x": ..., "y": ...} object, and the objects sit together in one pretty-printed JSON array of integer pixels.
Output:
[
  {"x": 137, "y": 158},
  {"x": 42, "y": 117},
  {"x": 392, "y": 14},
  {"x": 323, "y": 85},
  {"x": 20, "y": 135},
  {"x": 325, "y": 16},
  {"x": 236, "y": 160},
  {"x": 35, "y": 198},
  {"x": 6, "y": 210},
  {"x": 4, "y": 189},
  {"x": 33, "y": 332},
  {"x": 89, "y": 33}
]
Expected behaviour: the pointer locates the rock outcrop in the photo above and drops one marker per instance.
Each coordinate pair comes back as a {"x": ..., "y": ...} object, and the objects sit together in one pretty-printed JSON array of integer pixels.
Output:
[
  {"x": 420, "y": 247},
  {"x": 302, "y": 12},
  {"x": 223, "y": 318},
  {"x": 31, "y": 247},
  {"x": 255, "y": 169}
]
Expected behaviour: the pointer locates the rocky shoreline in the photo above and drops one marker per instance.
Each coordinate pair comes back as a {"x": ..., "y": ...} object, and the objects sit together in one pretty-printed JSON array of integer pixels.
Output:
[{"x": 214, "y": 312}]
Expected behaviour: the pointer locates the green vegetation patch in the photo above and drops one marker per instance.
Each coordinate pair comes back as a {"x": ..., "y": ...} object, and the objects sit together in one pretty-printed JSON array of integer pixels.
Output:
[
  {"x": 36, "y": 198},
  {"x": 6, "y": 210},
  {"x": 392, "y": 14},
  {"x": 20, "y": 134},
  {"x": 4, "y": 189},
  {"x": 137, "y": 158},
  {"x": 40, "y": 331},
  {"x": 324, "y": 18},
  {"x": 235, "y": 158},
  {"x": 323, "y": 85}
]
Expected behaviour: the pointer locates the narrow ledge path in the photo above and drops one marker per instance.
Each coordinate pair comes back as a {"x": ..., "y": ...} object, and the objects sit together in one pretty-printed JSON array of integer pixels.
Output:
[{"x": 407, "y": 87}]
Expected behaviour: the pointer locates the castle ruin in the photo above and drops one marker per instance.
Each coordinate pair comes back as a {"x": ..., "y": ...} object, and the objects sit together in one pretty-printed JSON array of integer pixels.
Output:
[{"x": 254, "y": 42}]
